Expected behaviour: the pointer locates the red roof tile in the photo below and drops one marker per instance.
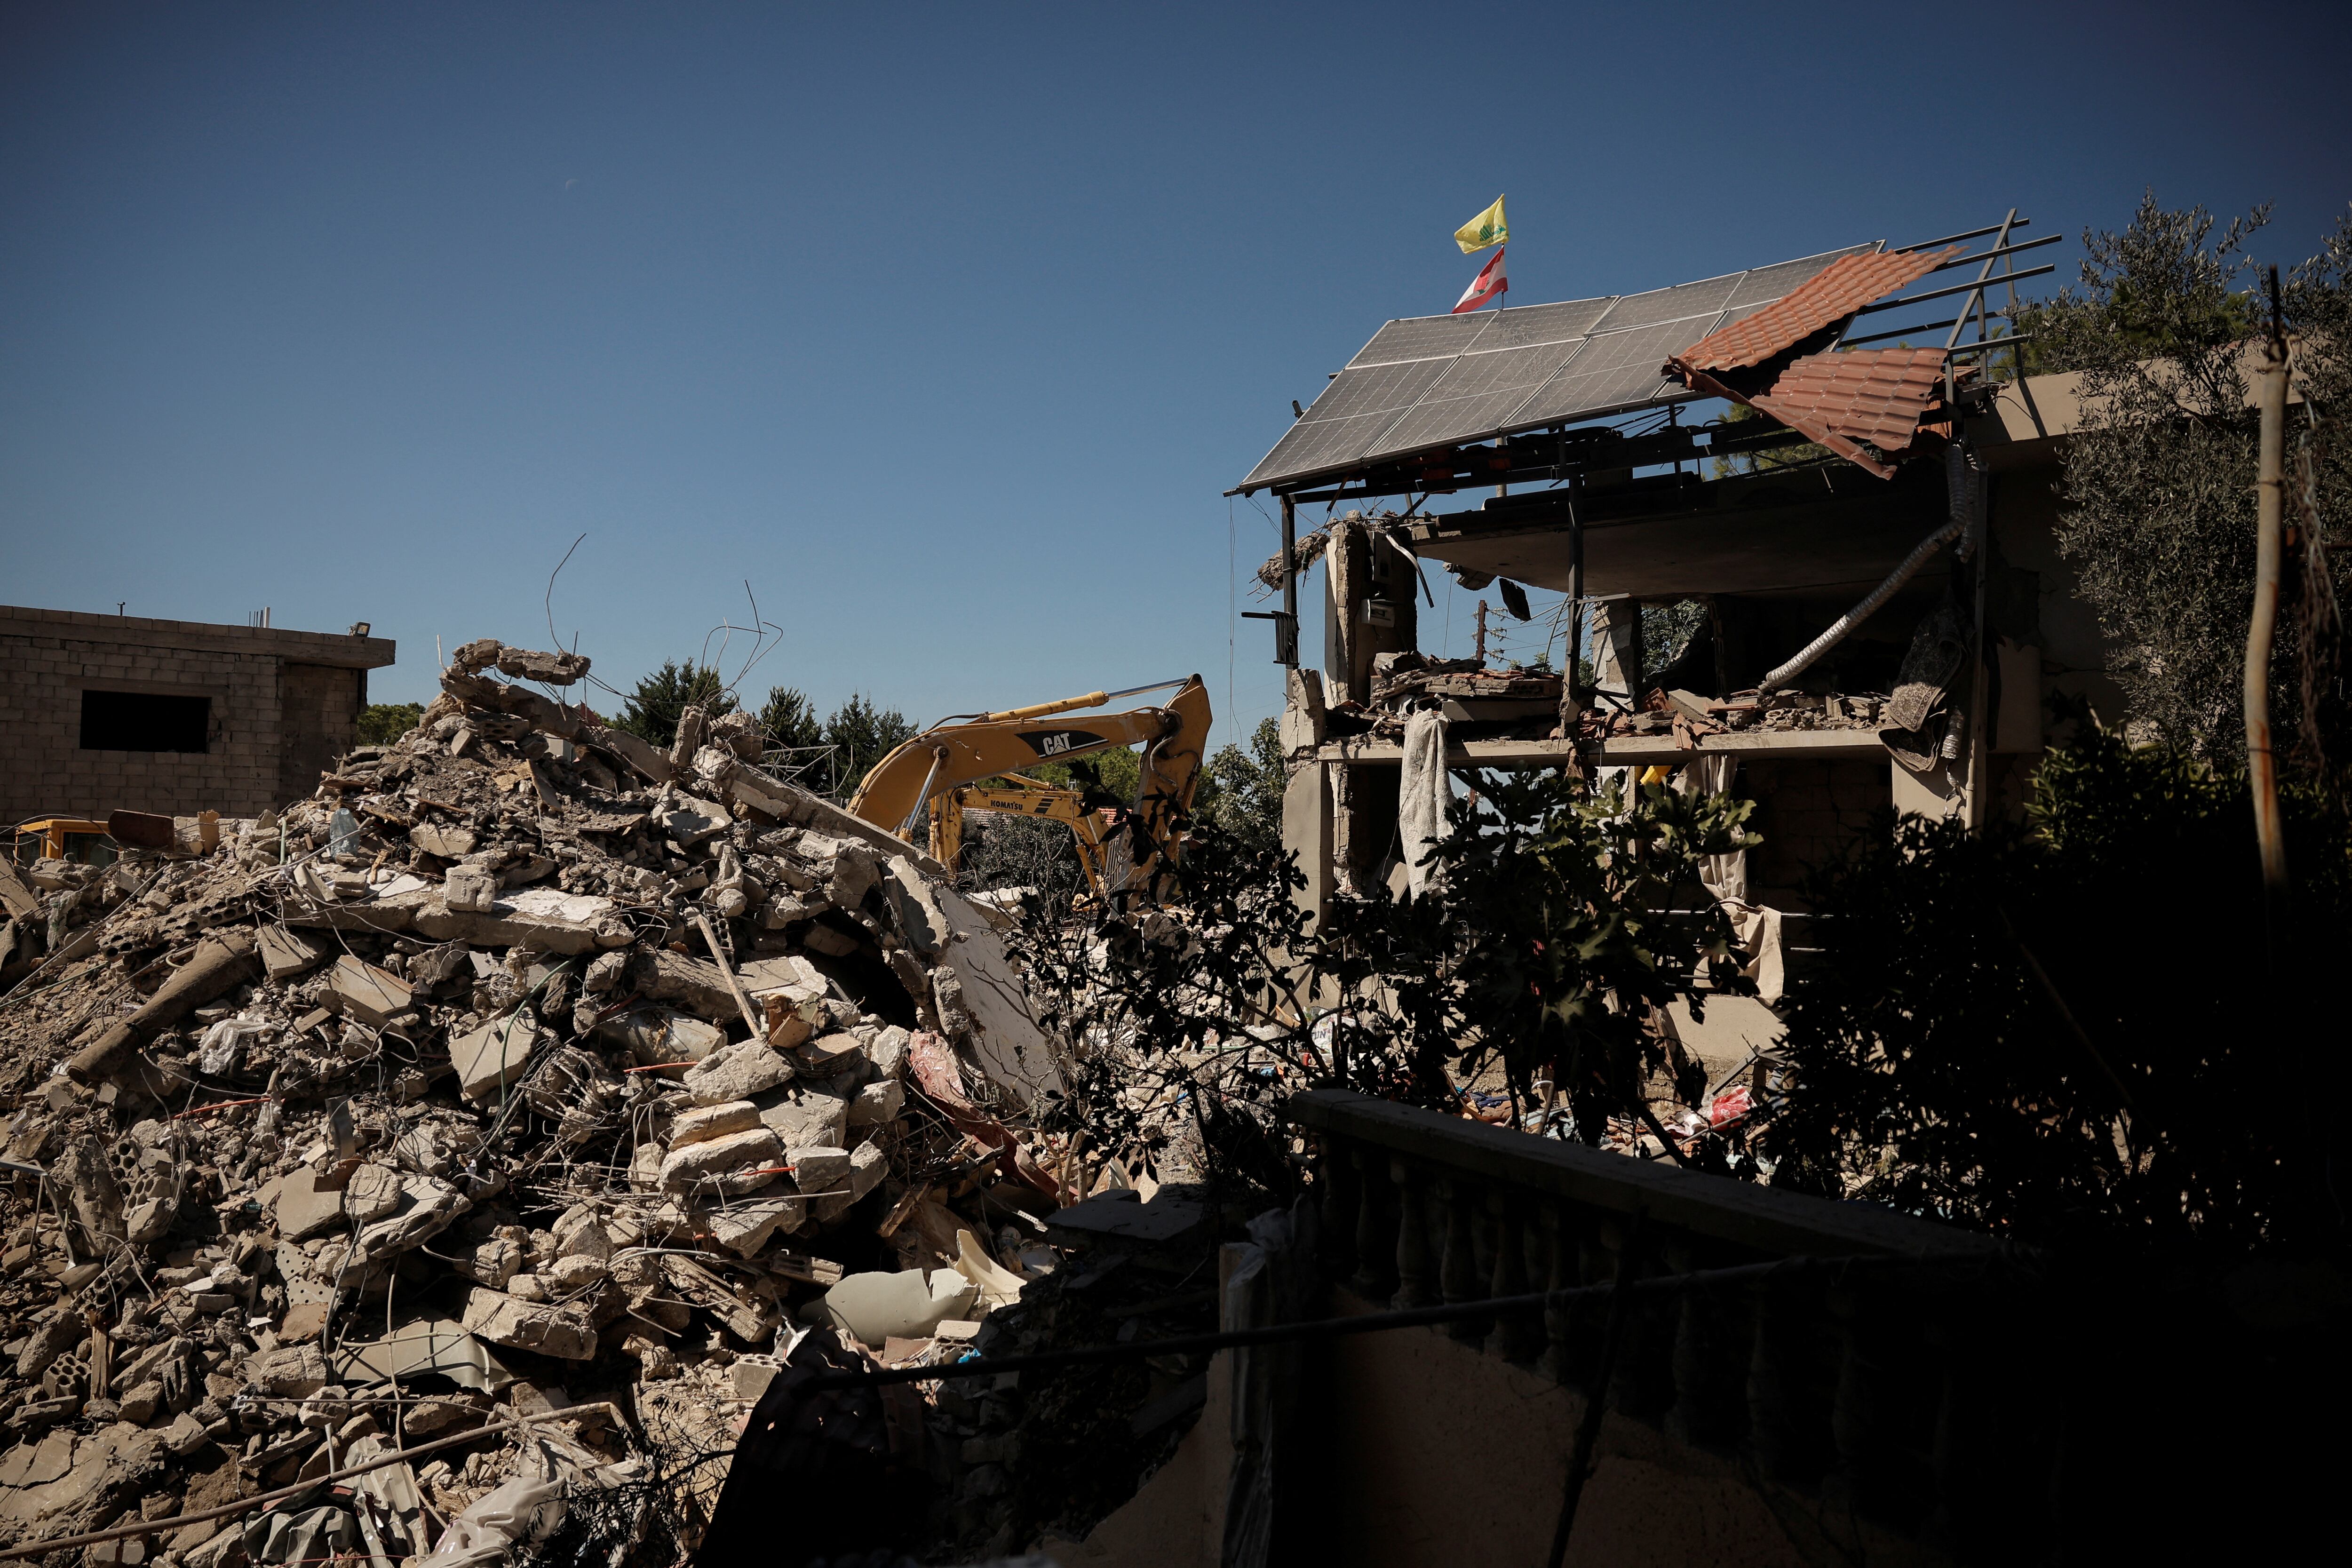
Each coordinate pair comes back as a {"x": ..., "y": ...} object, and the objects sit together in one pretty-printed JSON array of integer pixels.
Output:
[
  {"x": 1842, "y": 400},
  {"x": 1833, "y": 293}
]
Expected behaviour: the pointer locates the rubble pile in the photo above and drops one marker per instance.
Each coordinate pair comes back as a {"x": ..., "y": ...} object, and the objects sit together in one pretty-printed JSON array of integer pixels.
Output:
[
  {"x": 1781, "y": 708},
  {"x": 1483, "y": 703},
  {"x": 526, "y": 1072},
  {"x": 1480, "y": 702}
]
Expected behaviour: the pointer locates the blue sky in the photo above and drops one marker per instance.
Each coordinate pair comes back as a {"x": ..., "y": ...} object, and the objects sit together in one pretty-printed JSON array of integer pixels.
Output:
[{"x": 944, "y": 326}]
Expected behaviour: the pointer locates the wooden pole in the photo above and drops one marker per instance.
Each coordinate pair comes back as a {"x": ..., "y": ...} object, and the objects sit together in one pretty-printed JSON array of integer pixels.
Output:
[
  {"x": 2270, "y": 505},
  {"x": 751, "y": 1019}
]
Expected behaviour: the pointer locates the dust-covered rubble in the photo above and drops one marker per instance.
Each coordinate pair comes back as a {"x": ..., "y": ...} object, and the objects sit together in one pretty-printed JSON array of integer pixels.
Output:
[{"x": 526, "y": 1070}]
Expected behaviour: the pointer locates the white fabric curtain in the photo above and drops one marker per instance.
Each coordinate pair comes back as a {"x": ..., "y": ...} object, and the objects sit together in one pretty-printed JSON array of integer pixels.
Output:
[{"x": 1422, "y": 794}]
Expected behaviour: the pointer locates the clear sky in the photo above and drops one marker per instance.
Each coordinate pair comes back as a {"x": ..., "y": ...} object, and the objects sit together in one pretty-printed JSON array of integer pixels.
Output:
[{"x": 944, "y": 326}]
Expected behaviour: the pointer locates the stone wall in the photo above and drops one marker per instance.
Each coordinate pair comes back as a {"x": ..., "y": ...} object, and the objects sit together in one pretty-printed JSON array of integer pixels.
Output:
[{"x": 281, "y": 704}]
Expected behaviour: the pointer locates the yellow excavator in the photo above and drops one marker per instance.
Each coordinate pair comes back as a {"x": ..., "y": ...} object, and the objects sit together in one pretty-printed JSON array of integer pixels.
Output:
[{"x": 971, "y": 762}]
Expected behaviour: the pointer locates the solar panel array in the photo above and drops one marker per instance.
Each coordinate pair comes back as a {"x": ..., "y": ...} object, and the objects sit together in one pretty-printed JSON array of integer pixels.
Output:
[{"x": 1435, "y": 381}]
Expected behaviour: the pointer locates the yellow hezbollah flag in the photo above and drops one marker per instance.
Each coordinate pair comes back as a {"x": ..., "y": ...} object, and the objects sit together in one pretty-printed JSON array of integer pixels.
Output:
[{"x": 1487, "y": 228}]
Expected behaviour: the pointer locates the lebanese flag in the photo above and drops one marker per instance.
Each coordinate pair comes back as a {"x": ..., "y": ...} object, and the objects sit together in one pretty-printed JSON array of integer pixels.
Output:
[{"x": 1487, "y": 288}]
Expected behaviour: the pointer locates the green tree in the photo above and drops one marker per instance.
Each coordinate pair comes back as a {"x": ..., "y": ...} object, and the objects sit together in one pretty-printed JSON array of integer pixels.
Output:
[
  {"x": 1107, "y": 778},
  {"x": 1560, "y": 921},
  {"x": 1666, "y": 631},
  {"x": 1996, "y": 1033},
  {"x": 1241, "y": 792},
  {"x": 381, "y": 724},
  {"x": 789, "y": 720},
  {"x": 2158, "y": 489},
  {"x": 651, "y": 711},
  {"x": 864, "y": 734}
]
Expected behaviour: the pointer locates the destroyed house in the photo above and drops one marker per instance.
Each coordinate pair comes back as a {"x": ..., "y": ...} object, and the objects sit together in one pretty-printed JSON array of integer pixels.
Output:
[{"x": 1819, "y": 460}]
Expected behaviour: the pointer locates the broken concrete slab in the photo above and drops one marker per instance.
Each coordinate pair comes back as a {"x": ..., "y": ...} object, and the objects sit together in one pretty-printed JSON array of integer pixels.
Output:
[
  {"x": 766, "y": 797},
  {"x": 738, "y": 1071},
  {"x": 290, "y": 1372},
  {"x": 1000, "y": 1035},
  {"x": 888, "y": 1051},
  {"x": 830, "y": 1054},
  {"x": 443, "y": 840},
  {"x": 306, "y": 1207},
  {"x": 856, "y": 870},
  {"x": 489, "y": 1058},
  {"x": 222, "y": 961},
  {"x": 735, "y": 1163},
  {"x": 878, "y": 1103},
  {"x": 565, "y": 1331},
  {"x": 285, "y": 955},
  {"x": 557, "y": 669},
  {"x": 919, "y": 914},
  {"x": 746, "y": 1225},
  {"x": 748, "y": 1318},
  {"x": 804, "y": 1116},
  {"x": 361, "y": 990},
  {"x": 707, "y": 1121},
  {"x": 694, "y": 983},
  {"x": 438, "y": 1346},
  {"x": 469, "y": 889},
  {"x": 372, "y": 1193},
  {"x": 431, "y": 1205},
  {"x": 866, "y": 1167},
  {"x": 657, "y": 1036},
  {"x": 1119, "y": 1219},
  {"x": 819, "y": 1169},
  {"x": 510, "y": 923},
  {"x": 688, "y": 821}
]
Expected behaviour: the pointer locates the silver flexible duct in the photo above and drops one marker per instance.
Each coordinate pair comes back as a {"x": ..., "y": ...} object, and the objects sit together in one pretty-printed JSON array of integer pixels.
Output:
[{"x": 1845, "y": 624}]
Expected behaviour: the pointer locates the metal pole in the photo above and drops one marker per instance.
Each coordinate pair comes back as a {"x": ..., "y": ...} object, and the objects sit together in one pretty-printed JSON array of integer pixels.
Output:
[
  {"x": 1570, "y": 687},
  {"x": 2270, "y": 498},
  {"x": 1289, "y": 652},
  {"x": 1961, "y": 322}
]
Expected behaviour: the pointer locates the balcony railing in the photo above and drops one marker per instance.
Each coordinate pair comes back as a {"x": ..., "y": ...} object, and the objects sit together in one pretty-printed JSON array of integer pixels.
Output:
[{"x": 1877, "y": 1375}]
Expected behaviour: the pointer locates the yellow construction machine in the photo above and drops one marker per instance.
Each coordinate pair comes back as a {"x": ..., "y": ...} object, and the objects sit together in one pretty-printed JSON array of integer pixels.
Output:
[{"x": 971, "y": 762}]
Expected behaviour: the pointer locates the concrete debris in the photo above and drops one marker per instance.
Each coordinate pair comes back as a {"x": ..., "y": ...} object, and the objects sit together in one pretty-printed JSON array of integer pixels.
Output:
[
  {"x": 1524, "y": 704},
  {"x": 877, "y": 1308},
  {"x": 524, "y": 1056}
]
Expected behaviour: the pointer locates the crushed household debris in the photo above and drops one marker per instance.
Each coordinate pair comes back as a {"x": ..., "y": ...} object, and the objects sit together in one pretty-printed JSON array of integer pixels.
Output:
[
  {"x": 525, "y": 1073},
  {"x": 1013, "y": 1457},
  {"x": 1484, "y": 703}
]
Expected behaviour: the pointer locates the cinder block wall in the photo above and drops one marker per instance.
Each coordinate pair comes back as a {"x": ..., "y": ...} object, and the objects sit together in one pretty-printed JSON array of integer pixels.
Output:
[{"x": 283, "y": 704}]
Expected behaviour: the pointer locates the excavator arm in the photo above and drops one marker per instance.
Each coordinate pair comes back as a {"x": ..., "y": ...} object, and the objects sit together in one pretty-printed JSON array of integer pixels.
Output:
[
  {"x": 948, "y": 757},
  {"x": 1016, "y": 795}
]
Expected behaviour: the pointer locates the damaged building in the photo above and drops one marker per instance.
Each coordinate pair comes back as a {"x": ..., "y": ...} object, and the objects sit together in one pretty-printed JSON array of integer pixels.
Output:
[
  {"x": 1862, "y": 539},
  {"x": 104, "y": 712}
]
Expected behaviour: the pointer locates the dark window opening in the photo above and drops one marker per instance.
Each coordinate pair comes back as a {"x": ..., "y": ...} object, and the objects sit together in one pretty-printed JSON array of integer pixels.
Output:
[{"x": 135, "y": 721}]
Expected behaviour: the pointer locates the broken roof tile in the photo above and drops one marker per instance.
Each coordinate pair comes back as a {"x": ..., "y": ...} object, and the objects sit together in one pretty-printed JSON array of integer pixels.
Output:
[
  {"x": 1833, "y": 293},
  {"x": 1869, "y": 395}
]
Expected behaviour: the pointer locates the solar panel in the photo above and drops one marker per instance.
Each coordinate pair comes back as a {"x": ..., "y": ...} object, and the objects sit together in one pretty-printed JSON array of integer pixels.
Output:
[
  {"x": 1436, "y": 380},
  {"x": 1420, "y": 337}
]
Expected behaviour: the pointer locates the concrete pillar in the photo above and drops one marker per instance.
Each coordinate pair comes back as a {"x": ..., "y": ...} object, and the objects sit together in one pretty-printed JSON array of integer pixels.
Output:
[{"x": 1617, "y": 648}]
